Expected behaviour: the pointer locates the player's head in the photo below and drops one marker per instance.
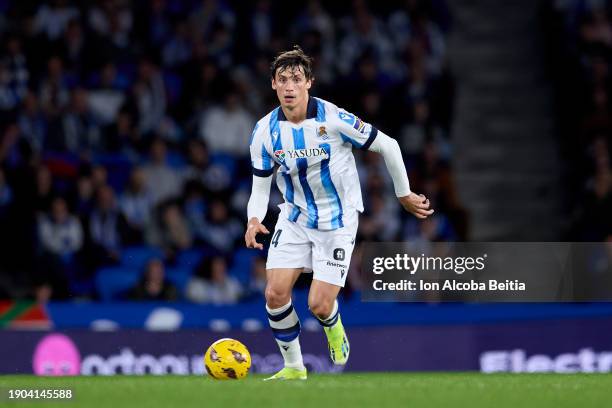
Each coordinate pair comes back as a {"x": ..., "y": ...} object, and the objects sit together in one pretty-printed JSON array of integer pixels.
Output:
[{"x": 291, "y": 73}]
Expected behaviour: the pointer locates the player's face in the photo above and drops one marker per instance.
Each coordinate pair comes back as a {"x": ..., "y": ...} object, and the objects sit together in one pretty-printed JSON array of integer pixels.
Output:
[{"x": 291, "y": 87}]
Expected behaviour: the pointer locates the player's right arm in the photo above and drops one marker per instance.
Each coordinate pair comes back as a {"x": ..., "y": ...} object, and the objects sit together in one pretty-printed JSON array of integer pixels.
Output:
[
  {"x": 416, "y": 204},
  {"x": 262, "y": 167}
]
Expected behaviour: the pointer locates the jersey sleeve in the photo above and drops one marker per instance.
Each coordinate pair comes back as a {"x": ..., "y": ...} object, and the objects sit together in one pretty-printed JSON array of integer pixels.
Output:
[
  {"x": 262, "y": 164},
  {"x": 354, "y": 130}
]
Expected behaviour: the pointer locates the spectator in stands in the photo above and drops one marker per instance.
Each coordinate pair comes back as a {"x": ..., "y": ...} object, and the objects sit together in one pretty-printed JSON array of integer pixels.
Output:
[
  {"x": 177, "y": 50},
  {"x": 52, "y": 19},
  {"x": 32, "y": 122},
  {"x": 365, "y": 31},
  {"x": 60, "y": 233},
  {"x": 111, "y": 20},
  {"x": 54, "y": 89},
  {"x": 99, "y": 176},
  {"x": 227, "y": 128},
  {"x": 80, "y": 131},
  {"x": 122, "y": 137},
  {"x": 84, "y": 195},
  {"x": 150, "y": 96},
  {"x": 107, "y": 228},
  {"x": 161, "y": 180},
  {"x": 14, "y": 75},
  {"x": 157, "y": 24},
  {"x": 106, "y": 97},
  {"x": 170, "y": 231},
  {"x": 72, "y": 48},
  {"x": 263, "y": 24},
  {"x": 194, "y": 206},
  {"x": 213, "y": 178},
  {"x": 44, "y": 188},
  {"x": 153, "y": 285},
  {"x": 137, "y": 204},
  {"x": 217, "y": 229},
  {"x": 213, "y": 284},
  {"x": 315, "y": 18},
  {"x": 208, "y": 84},
  {"x": 207, "y": 14}
]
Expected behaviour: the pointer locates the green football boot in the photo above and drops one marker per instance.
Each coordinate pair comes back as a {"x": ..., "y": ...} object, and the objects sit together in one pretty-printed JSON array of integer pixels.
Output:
[
  {"x": 288, "y": 373},
  {"x": 337, "y": 342}
]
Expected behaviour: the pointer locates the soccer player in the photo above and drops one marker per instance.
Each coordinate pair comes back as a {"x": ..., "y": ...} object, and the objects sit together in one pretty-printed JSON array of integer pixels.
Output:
[{"x": 311, "y": 142}]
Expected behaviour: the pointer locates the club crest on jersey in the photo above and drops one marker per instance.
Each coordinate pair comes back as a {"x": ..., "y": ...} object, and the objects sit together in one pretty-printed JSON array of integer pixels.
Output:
[
  {"x": 280, "y": 155},
  {"x": 322, "y": 133}
]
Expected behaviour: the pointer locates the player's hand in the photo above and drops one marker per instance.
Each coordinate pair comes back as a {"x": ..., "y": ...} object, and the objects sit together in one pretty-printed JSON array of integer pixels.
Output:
[
  {"x": 254, "y": 227},
  {"x": 417, "y": 205}
]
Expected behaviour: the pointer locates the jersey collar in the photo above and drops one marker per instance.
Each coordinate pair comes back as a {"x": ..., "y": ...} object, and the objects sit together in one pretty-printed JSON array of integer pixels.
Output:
[{"x": 311, "y": 110}]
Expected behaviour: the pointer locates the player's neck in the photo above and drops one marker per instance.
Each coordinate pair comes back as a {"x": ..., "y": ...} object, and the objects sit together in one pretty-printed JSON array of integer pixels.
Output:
[{"x": 297, "y": 114}]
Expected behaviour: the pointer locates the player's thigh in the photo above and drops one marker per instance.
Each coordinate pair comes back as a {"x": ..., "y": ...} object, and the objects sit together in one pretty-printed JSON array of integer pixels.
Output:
[
  {"x": 279, "y": 284},
  {"x": 290, "y": 252},
  {"x": 331, "y": 253},
  {"x": 321, "y": 297},
  {"x": 290, "y": 246}
]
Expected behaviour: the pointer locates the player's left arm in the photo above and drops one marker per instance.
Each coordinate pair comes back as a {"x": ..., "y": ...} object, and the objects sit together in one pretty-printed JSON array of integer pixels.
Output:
[
  {"x": 416, "y": 204},
  {"x": 366, "y": 137}
]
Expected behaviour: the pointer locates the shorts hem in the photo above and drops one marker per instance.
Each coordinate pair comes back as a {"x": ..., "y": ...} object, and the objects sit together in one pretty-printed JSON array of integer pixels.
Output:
[
  {"x": 322, "y": 279},
  {"x": 286, "y": 266}
]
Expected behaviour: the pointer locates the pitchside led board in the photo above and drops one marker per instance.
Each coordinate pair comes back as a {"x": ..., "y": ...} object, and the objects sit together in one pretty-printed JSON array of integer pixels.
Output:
[
  {"x": 557, "y": 345},
  {"x": 487, "y": 272}
]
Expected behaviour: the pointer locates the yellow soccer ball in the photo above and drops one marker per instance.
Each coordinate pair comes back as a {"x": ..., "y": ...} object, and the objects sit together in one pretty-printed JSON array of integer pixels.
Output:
[{"x": 227, "y": 359}]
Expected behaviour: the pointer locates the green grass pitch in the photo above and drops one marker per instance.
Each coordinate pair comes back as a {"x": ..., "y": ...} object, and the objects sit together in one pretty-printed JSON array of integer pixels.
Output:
[{"x": 352, "y": 390}]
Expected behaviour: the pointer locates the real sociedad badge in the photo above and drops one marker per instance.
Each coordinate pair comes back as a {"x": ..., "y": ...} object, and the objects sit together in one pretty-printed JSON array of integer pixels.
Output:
[{"x": 322, "y": 133}]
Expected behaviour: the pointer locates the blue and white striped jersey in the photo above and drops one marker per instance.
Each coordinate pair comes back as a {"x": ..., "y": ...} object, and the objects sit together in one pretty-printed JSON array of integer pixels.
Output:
[{"x": 317, "y": 174}]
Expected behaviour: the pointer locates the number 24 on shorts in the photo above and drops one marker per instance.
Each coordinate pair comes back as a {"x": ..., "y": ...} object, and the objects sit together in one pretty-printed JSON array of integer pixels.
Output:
[{"x": 275, "y": 237}]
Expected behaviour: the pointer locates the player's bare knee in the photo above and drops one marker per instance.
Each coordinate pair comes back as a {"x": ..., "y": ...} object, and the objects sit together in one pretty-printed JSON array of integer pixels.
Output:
[
  {"x": 321, "y": 307},
  {"x": 276, "y": 298}
]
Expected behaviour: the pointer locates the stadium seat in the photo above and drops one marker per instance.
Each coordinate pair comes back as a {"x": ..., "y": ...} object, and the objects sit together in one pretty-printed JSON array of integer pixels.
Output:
[
  {"x": 189, "y": 258},
  {"x": 224, "y": 160},
  {"x": 175, "y": 160},
  {"x": 242, "y": 263},
  {"x": 118, "y": 167},
  {"x": 179, "y": 277},
  {"x": 112, "y": 281},
  {"x": 136, "y": 257}
]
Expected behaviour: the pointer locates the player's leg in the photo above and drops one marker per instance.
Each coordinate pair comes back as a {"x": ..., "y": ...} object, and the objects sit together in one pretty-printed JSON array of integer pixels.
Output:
[
  {"x": 332, "y": 252},
  {"x": 289, "y": 254},
  {"x": 283, "y": 319},
  {"x": 323, "y": 303}
]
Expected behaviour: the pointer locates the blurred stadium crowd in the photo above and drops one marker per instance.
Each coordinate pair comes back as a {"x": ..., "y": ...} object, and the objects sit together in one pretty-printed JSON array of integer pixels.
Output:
[
  {"x": 125, "y": 125},
  {"x": 579, "y": 38}
]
